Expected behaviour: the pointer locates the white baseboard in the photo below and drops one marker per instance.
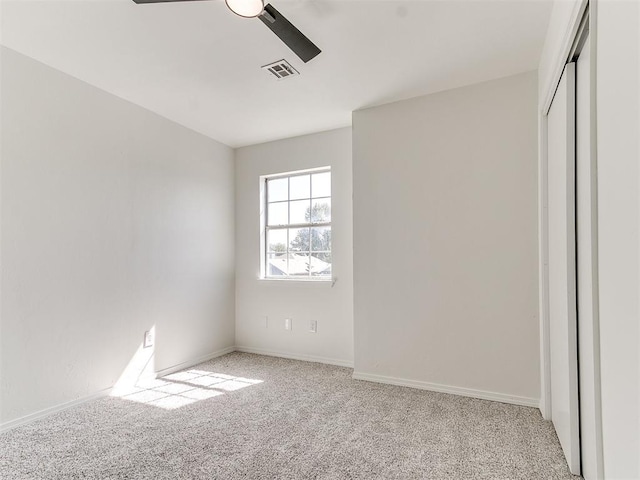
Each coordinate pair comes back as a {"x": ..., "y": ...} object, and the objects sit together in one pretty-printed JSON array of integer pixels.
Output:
[
  {"x": 193, "y": 362},
  {"x": 435, "y": 387},
  {"x": 32, "y": 417},
  {"x": 295, "y": 356}
]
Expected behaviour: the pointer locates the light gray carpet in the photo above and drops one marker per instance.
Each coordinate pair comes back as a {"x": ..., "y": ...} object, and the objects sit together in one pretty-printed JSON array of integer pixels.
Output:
[{"x": 303, "y": 421}]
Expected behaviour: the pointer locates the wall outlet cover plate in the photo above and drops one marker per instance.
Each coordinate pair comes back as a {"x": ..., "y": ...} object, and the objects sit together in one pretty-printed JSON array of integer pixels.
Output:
[{"x": 148, "y": 339}]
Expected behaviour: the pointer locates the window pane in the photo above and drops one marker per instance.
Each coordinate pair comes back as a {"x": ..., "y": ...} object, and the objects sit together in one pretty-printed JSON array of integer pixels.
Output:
[
  {"x": 321, "y": 210},
  {"x": 300, "y": 187},
  {"x": 299, "y": 239},
  {"x": 278, "y": 213},
  {"x": 321, "y": 239},
  {"x": 299, "y": 264},
  {"x": 321, "y": 264},
  {"x": 277, "y": 264},
  {"x": 321, "y": 184},
  {"x": 277, "y": 240},
  {"x": 304, "y": 200},
  {"x": 300, "y": 211},
  {"x": 278, "y": 189}
]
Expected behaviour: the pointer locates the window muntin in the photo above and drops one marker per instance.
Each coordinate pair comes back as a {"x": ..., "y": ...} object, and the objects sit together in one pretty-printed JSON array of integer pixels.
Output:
[{"x": 298, "y": 225}]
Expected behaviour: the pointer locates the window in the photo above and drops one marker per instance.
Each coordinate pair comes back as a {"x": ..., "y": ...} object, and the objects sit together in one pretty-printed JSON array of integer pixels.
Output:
[{"x": 297, "y": 223}]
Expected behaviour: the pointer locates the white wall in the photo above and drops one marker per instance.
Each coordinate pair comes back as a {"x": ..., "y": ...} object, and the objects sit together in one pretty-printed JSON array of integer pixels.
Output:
[
  {"x": 113, "y": 220},
  {"x": 257, "y": 298},
  {"x": 618, "y": 148},
  {"x": 445, "y": 240}
]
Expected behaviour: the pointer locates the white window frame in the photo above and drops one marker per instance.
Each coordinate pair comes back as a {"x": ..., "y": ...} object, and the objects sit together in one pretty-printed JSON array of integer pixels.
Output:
[{"x": 265, "y": 228}]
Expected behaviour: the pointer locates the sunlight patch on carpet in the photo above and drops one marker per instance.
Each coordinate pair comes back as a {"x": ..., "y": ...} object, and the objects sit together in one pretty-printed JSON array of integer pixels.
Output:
[{"x": 183, "y": 388}]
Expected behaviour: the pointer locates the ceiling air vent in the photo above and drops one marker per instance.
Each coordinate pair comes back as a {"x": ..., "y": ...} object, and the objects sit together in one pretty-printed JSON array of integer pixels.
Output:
[{"x": 280, "y": 69}]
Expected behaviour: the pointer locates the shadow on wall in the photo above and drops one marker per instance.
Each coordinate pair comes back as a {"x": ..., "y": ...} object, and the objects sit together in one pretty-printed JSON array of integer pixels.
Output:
[{"x": 138, "y": 382}]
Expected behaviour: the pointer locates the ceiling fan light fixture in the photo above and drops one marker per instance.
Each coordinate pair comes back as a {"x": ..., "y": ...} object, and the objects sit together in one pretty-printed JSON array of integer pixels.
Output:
[{"x": 246, "y": 8}]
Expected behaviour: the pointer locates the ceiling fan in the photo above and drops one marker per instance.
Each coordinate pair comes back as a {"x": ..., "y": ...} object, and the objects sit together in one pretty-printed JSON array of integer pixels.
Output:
[{"x": 277, "y": 23}]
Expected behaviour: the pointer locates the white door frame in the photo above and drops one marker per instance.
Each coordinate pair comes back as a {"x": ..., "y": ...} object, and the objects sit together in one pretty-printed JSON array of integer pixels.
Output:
[{"x": 564, "y": 55}]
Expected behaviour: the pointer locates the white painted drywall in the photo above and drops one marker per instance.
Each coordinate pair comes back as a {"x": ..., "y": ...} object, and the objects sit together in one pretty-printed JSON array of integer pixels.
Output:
[
  {"x": 618, "y": 159},
  {"x": 256, "y": 298},
  {"x": 170, "y": 58},
  {"x": 445, "y": 239},
  {"x": 113, "y": 220}
]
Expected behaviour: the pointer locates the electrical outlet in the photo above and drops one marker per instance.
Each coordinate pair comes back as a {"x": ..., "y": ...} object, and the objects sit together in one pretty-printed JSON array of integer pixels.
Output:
[
  {"x": 313, "y": 326},
  {"x": 148, "y": 339},
  {"x": 287, "y": 323}
]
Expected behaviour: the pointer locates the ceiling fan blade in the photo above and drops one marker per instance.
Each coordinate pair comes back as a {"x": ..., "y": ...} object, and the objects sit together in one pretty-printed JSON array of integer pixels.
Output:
[
  {"x": 290, "y": 35},
  {"x": 162, "y": 1}
]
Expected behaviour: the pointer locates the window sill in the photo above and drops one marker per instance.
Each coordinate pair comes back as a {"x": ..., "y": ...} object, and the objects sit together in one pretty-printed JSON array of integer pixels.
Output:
[{"x": 298, "y": 281}]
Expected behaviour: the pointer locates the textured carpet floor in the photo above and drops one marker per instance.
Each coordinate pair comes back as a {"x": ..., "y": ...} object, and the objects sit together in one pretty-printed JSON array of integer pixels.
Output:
[{"x": 245, "y": 416}]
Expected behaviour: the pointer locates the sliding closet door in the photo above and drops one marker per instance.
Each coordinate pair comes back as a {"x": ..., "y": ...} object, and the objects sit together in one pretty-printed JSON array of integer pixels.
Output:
[
  {"x": 588, "y": 331},
  {"x": 562, "y": 268}
]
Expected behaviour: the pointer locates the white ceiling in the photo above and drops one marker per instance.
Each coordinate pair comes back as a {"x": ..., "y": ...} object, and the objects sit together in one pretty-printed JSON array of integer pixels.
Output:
[{"x": 198, "y": 64}]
